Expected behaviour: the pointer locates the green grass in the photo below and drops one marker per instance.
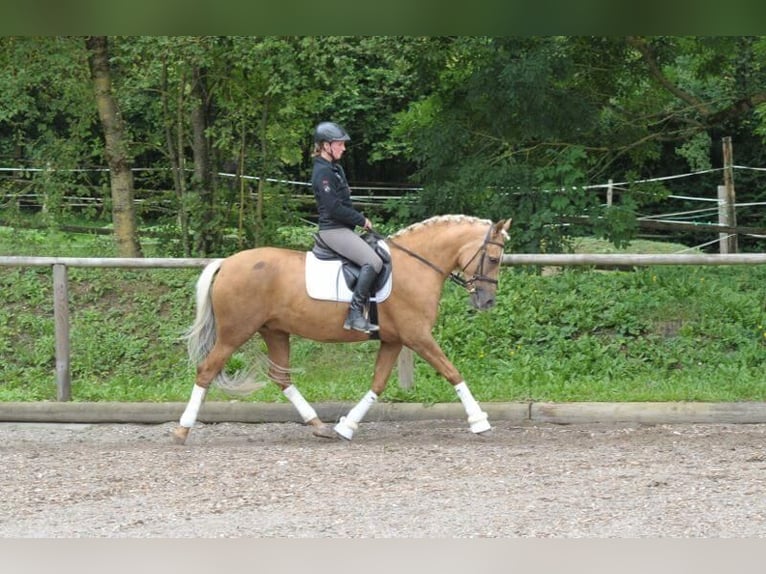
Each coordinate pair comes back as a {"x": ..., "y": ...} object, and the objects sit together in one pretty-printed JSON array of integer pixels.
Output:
[
  {"x": 652, "y": 334},
  {"x": 592, "y": 245}
]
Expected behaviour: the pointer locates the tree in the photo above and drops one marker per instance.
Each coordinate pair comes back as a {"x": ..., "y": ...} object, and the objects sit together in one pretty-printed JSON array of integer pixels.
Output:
[
  {"x": 505, "y": 130},
  {"x": 522, "y": 124},
  {"x": 46, "y": 121},
  {"x": 117, "y": 155},
  {"x": 489, "y": 126},
  {"x": 239, "y": 105}
]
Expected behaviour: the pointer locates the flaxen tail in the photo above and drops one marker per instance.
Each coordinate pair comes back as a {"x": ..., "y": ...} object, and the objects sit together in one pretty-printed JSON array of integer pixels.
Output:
[{"x": 201, "y": 336}]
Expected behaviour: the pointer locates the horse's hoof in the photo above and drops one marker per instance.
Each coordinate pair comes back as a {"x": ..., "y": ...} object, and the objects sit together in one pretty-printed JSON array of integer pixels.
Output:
[
  {"x": 479, "y": 423},
  {"x": 324, "y": 431},
  {"x": 487, "y": 434},
  {"x": 345, "y": 428},
  {"x": 180, "y": 434}
]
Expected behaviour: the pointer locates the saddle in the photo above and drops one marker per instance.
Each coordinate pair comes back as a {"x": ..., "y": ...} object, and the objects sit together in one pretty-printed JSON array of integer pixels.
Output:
[{"x": 331, "y": 277}]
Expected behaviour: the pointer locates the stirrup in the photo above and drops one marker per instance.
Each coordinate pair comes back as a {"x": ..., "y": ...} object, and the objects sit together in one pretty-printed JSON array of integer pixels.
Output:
[{"x": 365, "y": 327}]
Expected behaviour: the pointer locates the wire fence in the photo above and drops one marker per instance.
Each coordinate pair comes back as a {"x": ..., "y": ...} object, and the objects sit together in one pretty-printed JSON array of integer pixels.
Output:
[
  {"x": 389, "y": 191},
  {"x": 380, "y": 195}
]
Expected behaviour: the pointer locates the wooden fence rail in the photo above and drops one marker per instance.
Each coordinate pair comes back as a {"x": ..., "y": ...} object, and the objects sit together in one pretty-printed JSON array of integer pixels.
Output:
[
  {"x": 59, "y": 267},
  {"x": 632, "y": 259}
]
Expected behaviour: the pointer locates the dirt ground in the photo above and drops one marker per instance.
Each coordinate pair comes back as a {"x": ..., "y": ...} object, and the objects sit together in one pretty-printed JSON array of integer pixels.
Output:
[{"x": 424, "y": 479}]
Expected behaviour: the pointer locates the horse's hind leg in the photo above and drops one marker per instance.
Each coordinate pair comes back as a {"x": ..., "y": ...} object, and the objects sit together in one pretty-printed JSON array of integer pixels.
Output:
[
  {"x": 278, "y": 343},
  {"x": 206, "y": 372}
]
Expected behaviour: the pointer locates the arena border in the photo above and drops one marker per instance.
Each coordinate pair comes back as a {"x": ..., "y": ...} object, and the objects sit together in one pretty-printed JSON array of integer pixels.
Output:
[{"x": 515, "y": 412}]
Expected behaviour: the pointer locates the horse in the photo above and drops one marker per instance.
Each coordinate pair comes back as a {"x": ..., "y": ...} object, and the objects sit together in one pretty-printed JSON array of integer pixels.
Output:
[{"x": 263, "y": 290}]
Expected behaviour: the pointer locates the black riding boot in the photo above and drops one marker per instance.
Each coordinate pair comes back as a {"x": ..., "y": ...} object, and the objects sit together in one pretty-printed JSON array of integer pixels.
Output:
[{"x": 356, "y": 319}]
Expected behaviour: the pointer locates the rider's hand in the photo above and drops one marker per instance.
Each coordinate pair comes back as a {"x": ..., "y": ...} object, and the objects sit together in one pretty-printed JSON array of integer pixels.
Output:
[{"x": 367, "y": 224}]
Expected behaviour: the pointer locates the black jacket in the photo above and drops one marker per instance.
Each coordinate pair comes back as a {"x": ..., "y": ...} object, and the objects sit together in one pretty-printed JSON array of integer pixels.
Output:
[{"x": 333, "y": 196}]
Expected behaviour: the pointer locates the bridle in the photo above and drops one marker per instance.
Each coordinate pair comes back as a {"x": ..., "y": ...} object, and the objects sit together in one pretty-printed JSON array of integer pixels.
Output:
[{"x": 456, "y": 277}]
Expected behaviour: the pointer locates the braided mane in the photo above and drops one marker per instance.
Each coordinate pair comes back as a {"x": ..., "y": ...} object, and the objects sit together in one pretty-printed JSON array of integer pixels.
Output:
[{"x": 437, "y": 219}]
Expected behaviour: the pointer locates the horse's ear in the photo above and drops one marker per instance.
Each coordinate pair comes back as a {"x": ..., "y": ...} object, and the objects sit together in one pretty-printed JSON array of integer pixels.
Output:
[{"x": 503, "y": 226}]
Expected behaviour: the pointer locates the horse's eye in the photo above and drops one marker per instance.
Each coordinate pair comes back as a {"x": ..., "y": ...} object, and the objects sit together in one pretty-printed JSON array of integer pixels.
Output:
[{"x": 494, "y": 260}]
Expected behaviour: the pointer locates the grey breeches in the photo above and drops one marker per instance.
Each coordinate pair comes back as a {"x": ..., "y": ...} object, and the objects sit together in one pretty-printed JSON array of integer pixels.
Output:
[{"x": 351, "y": 246}]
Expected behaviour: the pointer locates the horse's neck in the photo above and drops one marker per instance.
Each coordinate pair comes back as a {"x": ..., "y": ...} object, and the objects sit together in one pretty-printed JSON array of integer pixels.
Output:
[{"x": 440, "y": 246}]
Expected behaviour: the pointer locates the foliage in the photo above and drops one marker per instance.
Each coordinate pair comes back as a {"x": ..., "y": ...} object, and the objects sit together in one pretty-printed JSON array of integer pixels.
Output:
[
  {"x": 522, "y": 124},
  {"x": 47, "y": 117},
  {"x": 489, "y": 126}
]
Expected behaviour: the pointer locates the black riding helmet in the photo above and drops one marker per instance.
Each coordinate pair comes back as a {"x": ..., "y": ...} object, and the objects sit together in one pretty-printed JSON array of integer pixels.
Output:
[{"x": 330, "y": 132}]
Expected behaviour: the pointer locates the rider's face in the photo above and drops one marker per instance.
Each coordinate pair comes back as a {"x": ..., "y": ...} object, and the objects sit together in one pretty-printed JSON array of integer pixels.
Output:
[{"x": 336, "y": 149}]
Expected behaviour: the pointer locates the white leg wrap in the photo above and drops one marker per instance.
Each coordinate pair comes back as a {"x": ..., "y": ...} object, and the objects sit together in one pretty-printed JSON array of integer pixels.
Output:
[
  {"x": 306, "y": 411},
  {"x": 350, "y": 422},
  {"x": 192, "y": 408},
  {"x": 477, "y": 418}
]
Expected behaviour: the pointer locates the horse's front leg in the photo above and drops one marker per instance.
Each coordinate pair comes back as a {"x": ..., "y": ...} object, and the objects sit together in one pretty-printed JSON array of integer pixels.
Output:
[
  {"x": 278, "y": 344},
  {"x": 429, "y": 349},
  {"x": 384, "y": 364}
]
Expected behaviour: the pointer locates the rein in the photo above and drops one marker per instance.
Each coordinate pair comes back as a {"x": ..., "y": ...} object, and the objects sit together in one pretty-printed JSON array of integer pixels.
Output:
[{"x": 467, "y": 284}]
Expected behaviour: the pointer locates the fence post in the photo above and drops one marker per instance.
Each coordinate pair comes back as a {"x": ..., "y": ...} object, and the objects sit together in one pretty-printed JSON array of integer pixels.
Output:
[
  {"x": 723, "y": 219},
  {"x": 61, "y": 318},
  {"x": 730, "y": 200},
  {"x": 610, "y": 193},
  {"x": 406, "y": 368}
]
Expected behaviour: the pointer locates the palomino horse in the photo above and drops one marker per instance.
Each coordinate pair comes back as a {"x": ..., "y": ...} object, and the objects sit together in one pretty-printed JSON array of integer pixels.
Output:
[{"x": 263, "y": 291}]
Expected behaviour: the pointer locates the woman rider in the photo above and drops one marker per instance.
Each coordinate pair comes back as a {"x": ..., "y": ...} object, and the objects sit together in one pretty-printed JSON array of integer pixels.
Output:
[{"x": 338, "y": 219}]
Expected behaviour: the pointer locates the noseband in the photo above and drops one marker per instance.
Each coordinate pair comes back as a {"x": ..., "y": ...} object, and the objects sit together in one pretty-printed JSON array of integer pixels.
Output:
[{"x": 470, "y": 283}]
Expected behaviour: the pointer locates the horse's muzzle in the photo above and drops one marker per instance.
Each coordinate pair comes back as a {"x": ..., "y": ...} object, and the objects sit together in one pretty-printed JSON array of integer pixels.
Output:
[{"x": 482, "y": 300}]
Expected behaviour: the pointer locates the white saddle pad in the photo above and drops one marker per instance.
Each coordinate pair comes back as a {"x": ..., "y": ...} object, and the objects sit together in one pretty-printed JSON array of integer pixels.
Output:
[{"x": 325, "y": 281}]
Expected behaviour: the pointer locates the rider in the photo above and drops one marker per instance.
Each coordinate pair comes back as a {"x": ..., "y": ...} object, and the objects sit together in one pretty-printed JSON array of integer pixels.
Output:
[{"x": 338, "y": 219}]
